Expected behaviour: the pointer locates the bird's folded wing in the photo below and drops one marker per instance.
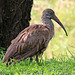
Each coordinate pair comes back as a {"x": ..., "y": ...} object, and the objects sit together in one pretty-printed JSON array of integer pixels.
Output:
[{"x": 27, "y": 40}]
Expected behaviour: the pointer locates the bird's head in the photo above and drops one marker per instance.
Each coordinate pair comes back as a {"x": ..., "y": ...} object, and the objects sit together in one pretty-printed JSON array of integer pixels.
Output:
[{"x": 50, "y": 14}]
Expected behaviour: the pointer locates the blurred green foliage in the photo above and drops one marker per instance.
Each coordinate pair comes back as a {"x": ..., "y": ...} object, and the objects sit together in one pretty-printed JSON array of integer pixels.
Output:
[{"x": 65, "y": 11}]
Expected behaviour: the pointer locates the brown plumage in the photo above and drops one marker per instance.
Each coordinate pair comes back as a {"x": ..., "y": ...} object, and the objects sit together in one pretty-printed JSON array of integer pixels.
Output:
[{"x": 34, "y": 39}]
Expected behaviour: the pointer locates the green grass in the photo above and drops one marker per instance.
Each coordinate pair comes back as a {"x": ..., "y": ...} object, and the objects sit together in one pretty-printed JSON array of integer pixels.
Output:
[
  {"x": 60, "y": 53},
  {"x": 61, "y": 66}
]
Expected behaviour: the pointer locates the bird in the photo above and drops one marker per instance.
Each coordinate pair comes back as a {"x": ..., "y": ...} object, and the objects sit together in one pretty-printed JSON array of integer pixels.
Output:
[{"x": 33, "y": 40}]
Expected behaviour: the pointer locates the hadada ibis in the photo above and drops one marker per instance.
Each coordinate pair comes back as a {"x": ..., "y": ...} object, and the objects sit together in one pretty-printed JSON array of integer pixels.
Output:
[{"x": 33, "y": 40}]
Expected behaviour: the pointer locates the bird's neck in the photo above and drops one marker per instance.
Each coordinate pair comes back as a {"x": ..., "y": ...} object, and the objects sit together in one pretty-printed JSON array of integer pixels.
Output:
[{"x": 48, "y": 23}]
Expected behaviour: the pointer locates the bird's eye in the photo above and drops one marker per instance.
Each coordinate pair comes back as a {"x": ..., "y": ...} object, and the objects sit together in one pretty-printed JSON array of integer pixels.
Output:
[{"x": 51, "y": 13}]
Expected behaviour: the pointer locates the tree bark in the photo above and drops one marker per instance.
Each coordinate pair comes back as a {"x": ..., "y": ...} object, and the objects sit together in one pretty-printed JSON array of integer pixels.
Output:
[{"x": 14, "y": 17}]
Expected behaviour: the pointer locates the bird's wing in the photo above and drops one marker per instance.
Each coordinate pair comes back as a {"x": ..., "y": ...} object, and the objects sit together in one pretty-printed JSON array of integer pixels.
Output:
[{"x": 33, "y": 37}]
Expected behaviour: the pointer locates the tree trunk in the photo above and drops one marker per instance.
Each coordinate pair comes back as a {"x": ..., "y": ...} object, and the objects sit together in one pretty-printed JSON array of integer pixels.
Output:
[{"x": 14, "y": 17}]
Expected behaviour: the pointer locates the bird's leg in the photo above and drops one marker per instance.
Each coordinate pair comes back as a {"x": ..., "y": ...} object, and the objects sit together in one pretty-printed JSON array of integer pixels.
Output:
[
  {"x": 7, "y": 62},
  {"x": 31, "y": 59},
  {"x": 37, "y": 59}
]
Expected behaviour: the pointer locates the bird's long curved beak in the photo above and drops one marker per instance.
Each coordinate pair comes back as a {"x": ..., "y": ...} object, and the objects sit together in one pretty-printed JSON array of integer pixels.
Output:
[{"x": 58, "y": 21}]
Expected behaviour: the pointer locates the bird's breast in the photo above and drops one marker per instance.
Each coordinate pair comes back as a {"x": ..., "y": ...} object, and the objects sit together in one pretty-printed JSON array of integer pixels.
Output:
[{"x": 50, "y": 35}]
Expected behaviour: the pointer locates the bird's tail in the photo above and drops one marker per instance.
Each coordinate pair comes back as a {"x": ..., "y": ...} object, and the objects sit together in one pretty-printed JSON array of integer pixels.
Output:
[{"x": 10, "y": 52}]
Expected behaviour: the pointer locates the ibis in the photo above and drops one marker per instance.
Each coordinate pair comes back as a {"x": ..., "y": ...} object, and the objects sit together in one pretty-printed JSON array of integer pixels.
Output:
[{"x": 33, "y": 40}]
